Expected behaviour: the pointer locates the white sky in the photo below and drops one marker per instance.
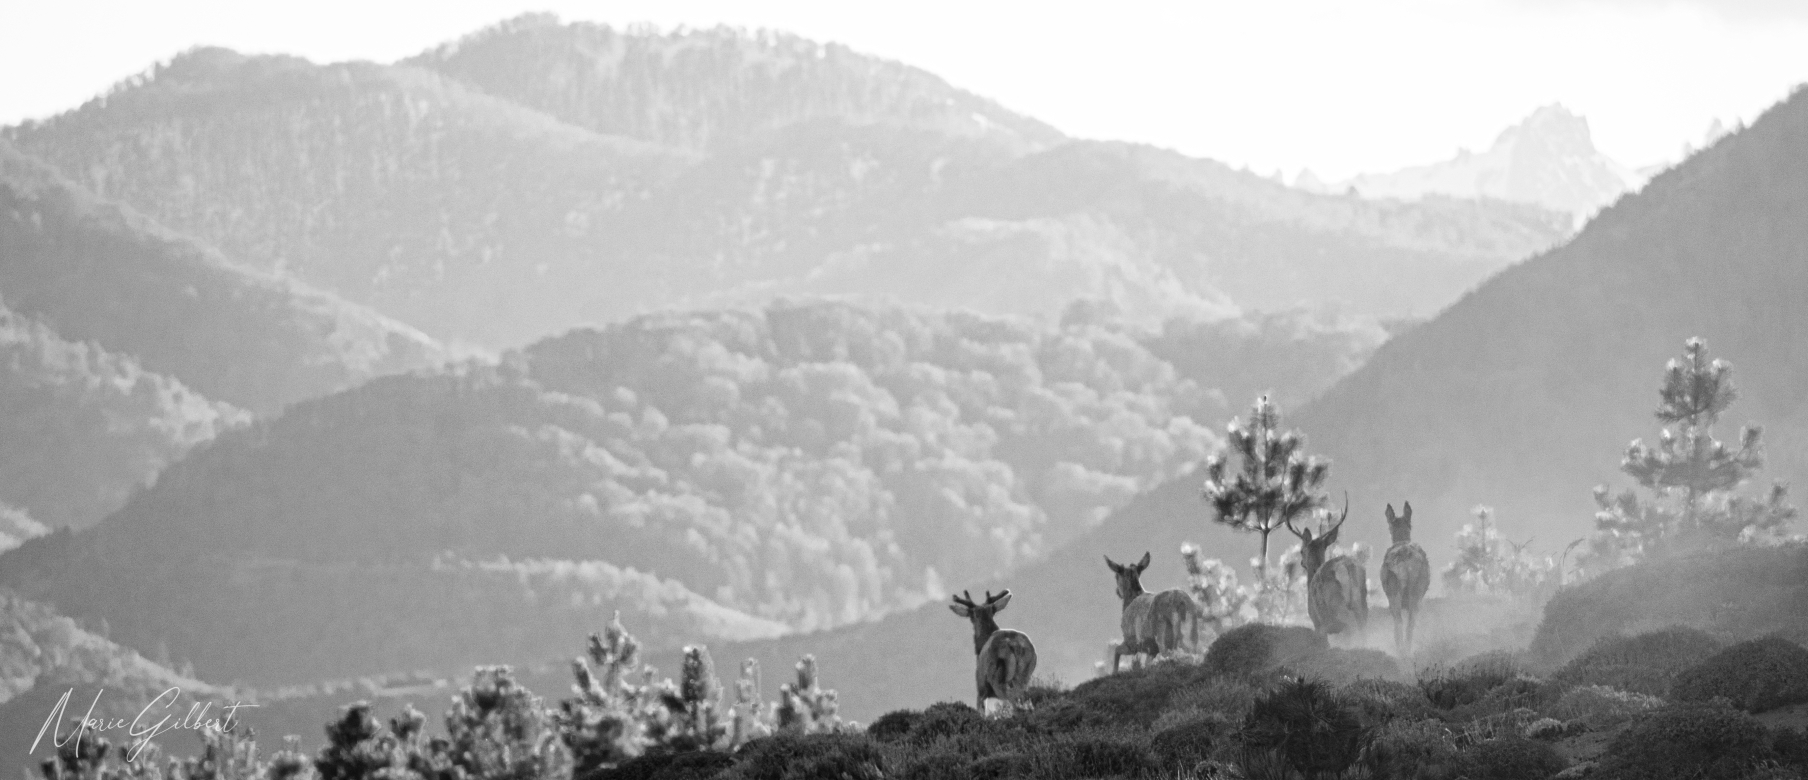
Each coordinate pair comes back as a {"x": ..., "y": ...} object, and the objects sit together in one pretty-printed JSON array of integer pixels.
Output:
[{"x": 1340, "y": 86}]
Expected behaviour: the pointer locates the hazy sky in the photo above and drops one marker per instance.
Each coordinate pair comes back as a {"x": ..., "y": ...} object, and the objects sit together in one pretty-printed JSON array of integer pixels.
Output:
[{"x": 1340, "y": 86}]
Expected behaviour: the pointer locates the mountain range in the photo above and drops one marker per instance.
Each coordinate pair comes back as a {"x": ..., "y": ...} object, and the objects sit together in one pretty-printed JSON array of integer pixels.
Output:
[
  {"x": 1548, "y": 159},
  {"x": 538, "y": 176}
]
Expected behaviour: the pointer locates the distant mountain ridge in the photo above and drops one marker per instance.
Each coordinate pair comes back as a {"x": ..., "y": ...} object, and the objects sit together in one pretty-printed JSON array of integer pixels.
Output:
[
  {"x": 1548, "y": 159},
  {"x": 537, "y": 176}
]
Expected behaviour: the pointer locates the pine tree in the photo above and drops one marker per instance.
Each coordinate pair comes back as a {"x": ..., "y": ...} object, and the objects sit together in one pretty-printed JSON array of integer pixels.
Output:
[
  {"x": 1278, "y": 481},
  {"x": 1690, "y": 474}
]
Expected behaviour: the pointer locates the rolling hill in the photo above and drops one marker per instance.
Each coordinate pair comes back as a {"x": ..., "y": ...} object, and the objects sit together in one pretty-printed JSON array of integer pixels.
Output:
[
  {"x": 716, "y": 475},
  {"x": 129, "y": 344}
]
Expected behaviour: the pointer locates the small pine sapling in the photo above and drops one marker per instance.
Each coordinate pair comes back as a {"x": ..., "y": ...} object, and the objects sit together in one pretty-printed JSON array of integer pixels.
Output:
[
  {"x": 696, "y": 722},
  {"x": 498, "y": 729},
  {"x": 805, "y": 707},
  {"x": 752, "y": 716},
  {"x": 1277, "y": 483},
  {"x": 616, "y": 714}
]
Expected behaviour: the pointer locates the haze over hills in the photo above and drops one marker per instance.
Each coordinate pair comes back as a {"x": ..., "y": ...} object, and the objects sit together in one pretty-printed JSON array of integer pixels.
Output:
[
  {"x": 535, "y": 177},
  {"x": 130, "y": 344},
  {"x": 1548, "y": 159}
]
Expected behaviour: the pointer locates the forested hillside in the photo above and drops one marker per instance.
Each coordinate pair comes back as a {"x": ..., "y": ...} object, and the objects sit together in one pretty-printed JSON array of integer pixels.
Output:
[
  {"x": 535, "y": 177},
  {"x": 717, "y": 475}
]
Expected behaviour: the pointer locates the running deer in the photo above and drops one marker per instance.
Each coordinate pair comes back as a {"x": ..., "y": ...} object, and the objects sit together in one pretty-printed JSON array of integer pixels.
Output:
[
  {"x": 1337, "y": 592},
  {"x": 1405, "y": 576},
  {"x": 1153, "y": 623},
  {"x": 1006, "y": 657}
]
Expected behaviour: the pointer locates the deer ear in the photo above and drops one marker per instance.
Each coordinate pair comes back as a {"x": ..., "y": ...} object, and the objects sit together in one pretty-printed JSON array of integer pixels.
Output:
[
  {"x": 1003, "y": 599},
  {"x": 961, "y": 609},
  {"x": 1390, "y": 513},
  {"x": 1113, "y": 565},
  {"x": 1144, "y": 563},
  {"x": 1408, "y": 506}
]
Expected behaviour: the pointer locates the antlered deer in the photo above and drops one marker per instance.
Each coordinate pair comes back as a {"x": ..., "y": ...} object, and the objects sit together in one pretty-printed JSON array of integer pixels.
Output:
[
  {"x": 1006, "y": 657},
  {"x": 1153, "y": 623},
  {"x": 1337, "y": 590},
  {"x": 1405, "y": 576}
]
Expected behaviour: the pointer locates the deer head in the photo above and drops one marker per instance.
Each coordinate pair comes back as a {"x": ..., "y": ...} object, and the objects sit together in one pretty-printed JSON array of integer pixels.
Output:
[
  {"x": 1400, "y": 526},
  {"x": 1313, "y": 549},
  {"x": 1129, "y": 578},
  {"x": 981, "y": 614}
]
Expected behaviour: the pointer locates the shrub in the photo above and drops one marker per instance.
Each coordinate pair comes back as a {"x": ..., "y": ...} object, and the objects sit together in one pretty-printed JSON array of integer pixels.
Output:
[
  {"x": 1259, "y": 647},
  {"x": 1601, "y": 707},
  {"x": 696, "y": 765},
  {"x": 802, "y": 756},
  {"x": 1511, "y": 758},
  {"x": 1088, "y": 758},
  {"x": 998, "y": 766},
  {"x": 1756, "y": 676},
  {"x": 1134, "y": 697},
  {"x": 936, "y": 765},
  {"x": 1700, "y": 741},
  {"x": 1186, "y": 744},
  {"x": 1378, "y": 701},
  {"x": 1412, "y": 750},
  {"x": 1228, "y": 697},
  {"x": 1469, "y": 680},
  {"x": 1518, "y": 693},
  {"x": 894, "y": 725},
  {"x": 1307, "y": 726},
  {"x": 1645, "y": 663}
]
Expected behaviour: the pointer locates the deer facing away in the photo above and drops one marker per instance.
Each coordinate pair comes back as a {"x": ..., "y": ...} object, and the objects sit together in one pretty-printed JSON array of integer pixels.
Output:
[
  {"x": 1006, "y": 657},
  {"x": 1337, "y": 593},
  {"x": 1405, "y": 576},
  {"x": 1153, "y": 623}
]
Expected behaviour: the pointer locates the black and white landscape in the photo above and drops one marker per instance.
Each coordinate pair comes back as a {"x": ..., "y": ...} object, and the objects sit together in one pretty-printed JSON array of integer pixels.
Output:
[{"x": 335, "y": 382}]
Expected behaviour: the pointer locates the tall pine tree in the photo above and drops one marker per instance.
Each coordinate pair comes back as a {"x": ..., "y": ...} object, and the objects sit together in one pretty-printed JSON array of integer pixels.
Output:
[
  {"x": 1278, "y": 481},
  {"x": 1690, "y": 475}
]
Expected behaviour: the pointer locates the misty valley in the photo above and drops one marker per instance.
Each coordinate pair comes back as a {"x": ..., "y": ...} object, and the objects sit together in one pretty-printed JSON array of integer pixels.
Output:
[{"x": 568, "y": 402}]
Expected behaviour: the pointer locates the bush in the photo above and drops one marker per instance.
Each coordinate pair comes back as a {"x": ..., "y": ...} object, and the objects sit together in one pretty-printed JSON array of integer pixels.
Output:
[
  {"x": 1186, "y": 744},
  {"x": 1518, "y": 693},
  {"x": 937, "y": 765},
  {"x": 1601, "y": 707},
  {"x": 695, "y": 765},
  {"x": 1412, "y": 750},
  {"x": 1511, "y": 758},
  {"x": 894, "y": 725},
  {"x": 1699, "y": 741},
  {"x": 797, "y": 757},
  {"x": 1379, "y": 701},
  {"x": 943, "y": 719},
  {"x": 1469, "y": 680},
  {"x": 1259, "y": 647},
  {"x": 1307, "y": 726},
  {"x": 1137, "y": 696},
  {"x": 1228, "y": 697},
  {"x": 1756, "y": 676},
  {"x": 1645, "y": 663}
]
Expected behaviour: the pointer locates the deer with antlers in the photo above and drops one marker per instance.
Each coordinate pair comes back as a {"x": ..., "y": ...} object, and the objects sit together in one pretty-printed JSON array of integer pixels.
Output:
[
  {"x": 1405, "y": 576},
  {"x": 1337, "y": 592},
  {"x": 1006, "y": 657},
  {"x": 1153, "y": 623}
]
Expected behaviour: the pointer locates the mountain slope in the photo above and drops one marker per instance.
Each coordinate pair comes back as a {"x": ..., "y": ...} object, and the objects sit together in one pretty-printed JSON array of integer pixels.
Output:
[
  {"x": 421, "y": 190},
  {"x": 722, "y": 475},
  {"x": 81, "y": 427},
  {"x": 710, "y": 89},
  {"x": 1524, "y": 393},
  {"x": 1548, "y": 159},
  {"x": 94, "y": 271}
]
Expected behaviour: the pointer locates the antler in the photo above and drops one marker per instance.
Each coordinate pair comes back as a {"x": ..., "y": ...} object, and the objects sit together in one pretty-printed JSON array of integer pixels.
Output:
[
  {"x": 965, "y": 599},
  {"x": 1344, "y": 516},
  {"x": 1001, "y": 594}
]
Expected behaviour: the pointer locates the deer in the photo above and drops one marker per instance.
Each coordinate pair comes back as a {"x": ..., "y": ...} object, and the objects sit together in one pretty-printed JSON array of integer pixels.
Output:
[
  {"x": 1337, "y": 593},
  {"x": 1005, "y": 658},
  {"x": 1405, "y": 576},
  {"x": 1153, "y": 623}
]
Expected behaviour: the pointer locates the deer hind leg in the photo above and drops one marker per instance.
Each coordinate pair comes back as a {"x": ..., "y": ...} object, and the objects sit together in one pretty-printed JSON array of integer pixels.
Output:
[{"x": 1412, "y": 619}]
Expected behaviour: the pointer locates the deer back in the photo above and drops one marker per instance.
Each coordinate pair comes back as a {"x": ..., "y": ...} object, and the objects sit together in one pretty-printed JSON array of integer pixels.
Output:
[
  {"x": 1006, "y": 662},
  {"x": 1405, "y": 575},
  {"x": 1337, "y": 595}
]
